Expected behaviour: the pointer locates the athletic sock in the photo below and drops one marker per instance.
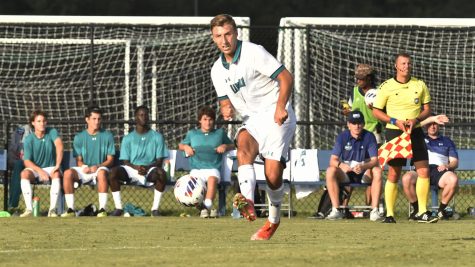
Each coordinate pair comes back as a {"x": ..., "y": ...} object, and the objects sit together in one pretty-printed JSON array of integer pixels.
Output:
[
  {"x": 26, "y": 190},
  {"x": 117, "y": 200},
  {"x": 208, "y": 203},
  {"x": 247, "y": 181},
  {"x": 415, "y": 206},
  {"x": 390, "y": 194},
  {"x": 275, "y": 200},
  {"x": 442, "y": 206},
  {"x": 422, "y": 191},
  {"x": 102, "y": 200},
  {"x": 69, "y": 200},
  {"x": 54, "y": 193},
  {"x": 157, "y": 195}
]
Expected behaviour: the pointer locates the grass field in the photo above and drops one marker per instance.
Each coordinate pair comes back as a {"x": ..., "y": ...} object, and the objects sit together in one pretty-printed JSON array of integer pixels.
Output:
[{"x": 175, "y": 241}]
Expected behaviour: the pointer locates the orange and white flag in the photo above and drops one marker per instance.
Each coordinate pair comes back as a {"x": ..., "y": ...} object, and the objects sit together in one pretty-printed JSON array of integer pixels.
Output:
[{"x": 399, "y": 147}]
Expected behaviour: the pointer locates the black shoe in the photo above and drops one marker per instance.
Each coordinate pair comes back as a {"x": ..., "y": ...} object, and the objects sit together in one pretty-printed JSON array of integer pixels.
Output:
[
  {"x": 443, "y": 215},
  {"x": 389, "y": 219},
  {"x": 426, "y": 217},
  {"x": 155, "y": 213},
  {"x": 347, "y": 214},
  {"x": 117, "y": 213}
]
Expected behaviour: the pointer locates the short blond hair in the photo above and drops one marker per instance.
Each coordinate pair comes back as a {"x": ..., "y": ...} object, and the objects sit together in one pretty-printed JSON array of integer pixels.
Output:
[{"x": 222, "y": 19}]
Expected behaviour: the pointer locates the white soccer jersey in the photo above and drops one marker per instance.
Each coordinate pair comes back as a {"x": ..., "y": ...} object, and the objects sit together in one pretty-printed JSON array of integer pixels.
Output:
[{"x": 249, "y": 81}]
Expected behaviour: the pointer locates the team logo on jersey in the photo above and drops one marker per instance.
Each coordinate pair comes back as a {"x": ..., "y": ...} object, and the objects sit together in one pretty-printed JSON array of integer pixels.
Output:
[
  {"x": 237, "y": 86},
  {"x": 348, "y": 146},
  {"x": 416, "y": 100}
]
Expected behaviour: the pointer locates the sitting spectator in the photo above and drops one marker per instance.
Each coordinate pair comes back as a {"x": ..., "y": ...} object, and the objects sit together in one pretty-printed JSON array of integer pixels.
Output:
[
  {"x": 205, "y": 147},
  {"x": 443, "y": 160},
  {"x": 43, "y": 155},
  {"x": 354, "y": 155},
  {"x": 94, "y": 151},
  {"x": 142, "y": 153}
]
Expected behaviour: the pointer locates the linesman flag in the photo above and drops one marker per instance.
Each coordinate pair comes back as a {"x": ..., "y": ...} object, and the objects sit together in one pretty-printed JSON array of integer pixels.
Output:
[{"x": 399, "y": 147}]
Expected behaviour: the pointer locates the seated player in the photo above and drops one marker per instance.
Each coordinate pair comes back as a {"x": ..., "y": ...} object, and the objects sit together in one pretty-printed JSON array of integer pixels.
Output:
[
  {"x": 443, "y": 160},
  {"x": 354, "y": 154},
  {"x": 142, "y": 153},
  {"x": 205, "y": 147},
  {"x": 43, "y": 153},
  {"x": 94, "y": 151}
]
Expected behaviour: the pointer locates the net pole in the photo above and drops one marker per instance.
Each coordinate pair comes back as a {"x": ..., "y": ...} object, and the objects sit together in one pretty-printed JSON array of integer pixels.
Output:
[
  {"x": 140, "y": 74},
  {"x": 307, "y": 90},
  {"x": 126, "y": 87},
  {"x": 91, "y": 62},
  {"x": 154, "y": 91}
]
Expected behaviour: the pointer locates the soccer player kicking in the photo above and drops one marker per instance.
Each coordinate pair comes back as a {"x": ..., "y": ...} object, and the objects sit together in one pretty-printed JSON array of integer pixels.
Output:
[
  {"x": 250, "y": 80},
  {"x": 94, "y": 151},
  {"x": 406, "y": 101},
  {"x": 142, "y": 152},
  {"x": 43, "y": 155},
  {"x": 205, "y": 147}
]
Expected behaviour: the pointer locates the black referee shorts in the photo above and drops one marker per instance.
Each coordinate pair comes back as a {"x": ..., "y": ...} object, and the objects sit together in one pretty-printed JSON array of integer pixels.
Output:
[{"x": 419, "y": 148}]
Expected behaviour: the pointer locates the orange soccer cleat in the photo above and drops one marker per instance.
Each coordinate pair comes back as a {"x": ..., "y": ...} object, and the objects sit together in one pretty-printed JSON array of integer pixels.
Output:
[
  {"x": 266, "y": 231},
  {"x": 245, "y": 206}
]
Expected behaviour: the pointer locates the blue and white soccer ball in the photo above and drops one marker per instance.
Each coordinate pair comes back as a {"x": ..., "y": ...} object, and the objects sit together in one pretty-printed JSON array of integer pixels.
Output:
[
  {"x": 370, "y": 96},
  {"x": 189, "y": 191}
]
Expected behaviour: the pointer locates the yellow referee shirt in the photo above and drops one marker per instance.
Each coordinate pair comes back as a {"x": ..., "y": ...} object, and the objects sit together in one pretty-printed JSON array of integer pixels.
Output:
[{"x": 402, "y": 100}]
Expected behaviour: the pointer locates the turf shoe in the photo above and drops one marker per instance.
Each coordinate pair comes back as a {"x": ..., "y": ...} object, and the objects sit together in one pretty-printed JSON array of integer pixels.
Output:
[
  {"x": 426, "y": 217},
  {"x": 213, "y": 213},
  {"x": 335, "y": 214},
  {"x": 413, "y": 216},
  {"x": 117, "y": 212},
  {"x": 204, "y": 213},
  {"x": 26, "y": 213},
  {"x": 155, "y": 213},
  {"x": 52, "y": 213},
  {"x": 266, "y": 231},
  {"x": 443, "y": 215},
  {"x": 69, "y": 213},
  {"x": 102, "y": 213},
  {"x": 245, "y": 207},
  {"x": 374, "y": 215},
  {"x": 389, "y": 219}
]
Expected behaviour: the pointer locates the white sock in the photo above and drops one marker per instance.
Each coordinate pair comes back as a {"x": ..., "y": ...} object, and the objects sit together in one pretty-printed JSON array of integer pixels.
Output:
[
  {"x": 157, "y": 195},
  {"x": 275, "y": 199},
  {"x": 117, "y": 200},
  {"x": 26, "y": 190},
  {"x": 247, "y": 181},
  {"x": 53, "y": 193},
  {"x": 102, "y": 200},
  {"x": 208, "y": 203},
  {"x": 69, "y": 200}
]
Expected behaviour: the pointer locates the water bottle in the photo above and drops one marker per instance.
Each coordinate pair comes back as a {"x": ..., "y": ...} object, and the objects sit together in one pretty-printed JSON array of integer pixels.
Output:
[
  {"x": 36, "y": 207},
  {"x": 166, "y": 168}
]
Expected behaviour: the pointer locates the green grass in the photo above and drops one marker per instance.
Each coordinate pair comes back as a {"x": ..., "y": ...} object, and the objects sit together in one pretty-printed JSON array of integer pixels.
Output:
[{"x": 175, "y": 241}]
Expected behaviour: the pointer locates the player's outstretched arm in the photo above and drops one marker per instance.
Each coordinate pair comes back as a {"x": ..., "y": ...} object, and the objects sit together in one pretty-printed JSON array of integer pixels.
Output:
[
  {"x": 439, "y": 119},
  {"x": 58, "y": 143}
]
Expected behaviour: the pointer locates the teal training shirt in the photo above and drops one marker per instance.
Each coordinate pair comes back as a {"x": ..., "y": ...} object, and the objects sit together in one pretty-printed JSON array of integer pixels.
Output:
[
  {"x": 143, "y": 149},
  {"x": 93, "y": 149},
  {"x": 205, "y": 145},
  {"x": 41, "y": 151},
  {"x": 359, "y": 103}
]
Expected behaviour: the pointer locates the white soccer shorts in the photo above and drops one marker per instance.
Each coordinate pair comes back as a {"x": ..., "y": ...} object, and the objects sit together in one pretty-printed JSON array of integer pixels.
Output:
[
  {"x": 204, "y": 174},
  {"x": 88, "y": 178},
  {"x": 136, "y": 178},
  {"x": 37, "y": 176},
  {"x": 274, "y": 140}
]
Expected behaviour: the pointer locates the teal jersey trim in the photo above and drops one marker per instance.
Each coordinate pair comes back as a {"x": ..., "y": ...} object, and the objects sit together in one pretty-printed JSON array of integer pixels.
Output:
[
  {"x": 237, "y": 55},
  {"x": 277, "y": 72}
]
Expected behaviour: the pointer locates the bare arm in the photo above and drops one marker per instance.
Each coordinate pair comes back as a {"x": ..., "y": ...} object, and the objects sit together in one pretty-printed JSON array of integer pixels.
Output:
[
  {"x": 439, "y": 119},
  {"x": 58, "y": 143},
  {"x": 189, "y": 151},
  {"x": 382, "y": 116},
  {"x": 285, "y": 83}
]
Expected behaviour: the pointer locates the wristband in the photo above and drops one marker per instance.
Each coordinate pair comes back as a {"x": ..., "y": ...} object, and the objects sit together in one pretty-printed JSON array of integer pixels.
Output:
[{"x": 392, "y": 121}]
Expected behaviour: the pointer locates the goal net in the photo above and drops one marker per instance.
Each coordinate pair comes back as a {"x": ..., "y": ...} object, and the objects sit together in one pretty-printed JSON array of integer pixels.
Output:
[
  {"x": 323, "y": 52},
  {"x": 63, "y": 64}
]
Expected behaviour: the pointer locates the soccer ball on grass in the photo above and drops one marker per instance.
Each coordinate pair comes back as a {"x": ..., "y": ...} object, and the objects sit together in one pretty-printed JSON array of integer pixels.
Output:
[{"x": 189, "y": 191}]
